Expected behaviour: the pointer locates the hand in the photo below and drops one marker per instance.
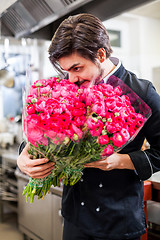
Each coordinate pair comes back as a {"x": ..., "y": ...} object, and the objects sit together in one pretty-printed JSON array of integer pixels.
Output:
[
  {"x": 37, "y": 168},
  {"x": 115, "y": 161}
]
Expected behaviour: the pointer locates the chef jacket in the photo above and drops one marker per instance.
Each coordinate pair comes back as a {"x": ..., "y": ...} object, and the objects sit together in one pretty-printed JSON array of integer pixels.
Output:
[{"x": 109, "y": 204}]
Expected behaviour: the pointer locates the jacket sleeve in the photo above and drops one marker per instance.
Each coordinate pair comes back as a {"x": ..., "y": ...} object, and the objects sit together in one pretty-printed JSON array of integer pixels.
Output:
[
  {"x": 21, "y": 147},
  {"x": 148, "y": 162}
]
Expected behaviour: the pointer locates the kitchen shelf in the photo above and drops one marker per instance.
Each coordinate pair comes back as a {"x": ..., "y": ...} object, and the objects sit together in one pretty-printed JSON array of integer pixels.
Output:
[{"x": 9, "y": 186}]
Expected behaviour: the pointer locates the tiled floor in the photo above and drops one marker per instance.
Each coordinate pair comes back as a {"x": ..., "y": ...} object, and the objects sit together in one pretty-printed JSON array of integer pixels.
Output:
[{"x": 9, "y": 228}]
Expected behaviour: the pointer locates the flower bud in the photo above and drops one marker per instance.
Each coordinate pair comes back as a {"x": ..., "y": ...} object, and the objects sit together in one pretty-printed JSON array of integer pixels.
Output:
[
  {"x": 109, "y": 120},
  {"x": 104, "y": 120},
  {"x": 66, "y": 140},
  {"x": 33, "y": 100},
  {"x": 95, "y": 119},
  {"x": 104, "y": 132},
  {"x": 75, "y": 137},
  {"x": 38, "y": 84},
  {"x": 116, "y": 114}
]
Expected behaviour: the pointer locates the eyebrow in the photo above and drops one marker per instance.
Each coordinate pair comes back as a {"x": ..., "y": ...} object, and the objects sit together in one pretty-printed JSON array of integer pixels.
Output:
[{"x": 74, "y": 65}]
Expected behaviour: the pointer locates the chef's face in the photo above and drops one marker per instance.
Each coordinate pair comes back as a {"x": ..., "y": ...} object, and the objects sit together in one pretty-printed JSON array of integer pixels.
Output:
[{"x": 81, "y": 71}]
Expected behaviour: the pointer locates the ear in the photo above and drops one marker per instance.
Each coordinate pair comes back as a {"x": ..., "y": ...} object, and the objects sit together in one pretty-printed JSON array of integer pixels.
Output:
[{"x": 101, "y": 55}]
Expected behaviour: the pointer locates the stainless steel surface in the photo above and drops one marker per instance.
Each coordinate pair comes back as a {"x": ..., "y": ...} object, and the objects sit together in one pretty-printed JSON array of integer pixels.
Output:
[
  {"x": 25, "y": 17},
  {"x": 153, "y": 212},
  {"x": 42, "y": 17},
  {"x": 9, "y": 181},
  {"x": 57, "y": 229},
  {"x": 35, "y": 217},
  {"x": 42, "y": 219}
]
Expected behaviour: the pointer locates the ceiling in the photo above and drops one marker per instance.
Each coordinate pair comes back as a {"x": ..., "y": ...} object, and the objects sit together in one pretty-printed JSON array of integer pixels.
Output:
[
  {"x": 40, "y": 18},
  {"x": 151, "y": 10}
]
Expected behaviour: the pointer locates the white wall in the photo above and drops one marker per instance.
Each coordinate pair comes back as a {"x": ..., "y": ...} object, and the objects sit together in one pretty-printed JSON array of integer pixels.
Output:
[{"x": 140, "y": 51}]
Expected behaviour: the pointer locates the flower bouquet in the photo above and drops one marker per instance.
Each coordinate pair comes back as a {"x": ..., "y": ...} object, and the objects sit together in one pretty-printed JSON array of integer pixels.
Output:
[{"x": 72, "y": 126}]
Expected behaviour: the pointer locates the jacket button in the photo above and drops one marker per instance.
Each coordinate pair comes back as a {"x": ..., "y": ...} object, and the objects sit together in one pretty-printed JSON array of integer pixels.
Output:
[{"x": 97, "y": 209}]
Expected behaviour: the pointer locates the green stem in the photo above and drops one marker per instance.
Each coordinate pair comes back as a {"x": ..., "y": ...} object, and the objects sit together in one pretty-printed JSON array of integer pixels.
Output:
[{"x": 72, "y": 149}]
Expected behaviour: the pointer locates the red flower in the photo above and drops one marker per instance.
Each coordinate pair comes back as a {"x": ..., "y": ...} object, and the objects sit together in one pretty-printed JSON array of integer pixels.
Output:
[{"x": 108, "y": 151}]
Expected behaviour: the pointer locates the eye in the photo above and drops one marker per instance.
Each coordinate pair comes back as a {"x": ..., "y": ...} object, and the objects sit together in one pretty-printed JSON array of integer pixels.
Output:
[{"x": 76, "y": 69}]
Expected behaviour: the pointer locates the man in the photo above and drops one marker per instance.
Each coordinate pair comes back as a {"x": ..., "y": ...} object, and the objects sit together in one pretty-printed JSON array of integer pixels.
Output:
[{"x": 107, "y": 203}]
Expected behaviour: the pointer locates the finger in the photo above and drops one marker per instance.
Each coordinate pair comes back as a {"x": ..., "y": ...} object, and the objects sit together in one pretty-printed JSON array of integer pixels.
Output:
[
  {"x": 39, "y": 172},
  {"x": 42, "y": 174},
  {"x": 39, "y": 161},
  {"x": 41, "y": 168},
  {"x": 96, "y": 163},
  {"x": 29, "y": 157}
]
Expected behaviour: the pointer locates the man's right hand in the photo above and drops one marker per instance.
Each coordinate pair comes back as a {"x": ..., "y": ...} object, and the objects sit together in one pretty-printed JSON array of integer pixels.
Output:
[{"x": 35, "y": 168}]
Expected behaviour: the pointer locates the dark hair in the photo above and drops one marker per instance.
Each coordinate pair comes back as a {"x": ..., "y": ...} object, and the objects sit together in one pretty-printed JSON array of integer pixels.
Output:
[{"x": 82, "y": 33}]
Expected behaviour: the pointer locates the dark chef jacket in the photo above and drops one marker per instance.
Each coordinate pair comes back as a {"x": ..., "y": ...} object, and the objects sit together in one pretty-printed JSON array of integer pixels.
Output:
[{"x": 109, "y": 204}]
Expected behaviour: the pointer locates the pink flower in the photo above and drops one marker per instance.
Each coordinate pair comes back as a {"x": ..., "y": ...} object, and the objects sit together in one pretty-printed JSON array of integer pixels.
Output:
[
  {"x": 99, "y": 108},
  {"x": 45, "y": 90},
  {"x": 31, "y": 98},
  {"x": 108, "y": 151},
  {"x": 77, "y": 130},
  {"x": 113, "y": 127},
  {"x": 61, "y": 137},
  {"x": 92, "y": 95},
  {"x": 43, "y": 141},
  {"x": 118, "y": 91},
  {"x": 34, "y": 135},
  {"x": 120, "y": 138},
  {"x": 103, "y": 139},
  {"x": 95, "y": 132},
  {"x": 139, "y": 120},
  {"x": 125, "y": 134},
  {"x": 34, "y": 91},
  {"x": 50, "y": 134},
  {"x": 30, "y": 109},
  {"x": 40, "y": 104},
  {"x": 80, "y": 120},
  {"x": 31, "y": 121},
  {"x": 107, "y": 90},
  {"x": 93, "y": 123}
]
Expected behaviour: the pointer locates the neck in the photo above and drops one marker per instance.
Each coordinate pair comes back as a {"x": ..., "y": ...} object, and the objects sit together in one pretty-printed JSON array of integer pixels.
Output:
[{"x": 108, "y": 67}]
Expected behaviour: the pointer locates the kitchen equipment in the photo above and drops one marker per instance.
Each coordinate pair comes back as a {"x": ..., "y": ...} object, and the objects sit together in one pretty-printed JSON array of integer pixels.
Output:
[
  {"x": 6, "y": 78},
  {"x": 6, "y": 139},
  {"x": 3, "y": 125},
  {"x": 42, "y": 219}
]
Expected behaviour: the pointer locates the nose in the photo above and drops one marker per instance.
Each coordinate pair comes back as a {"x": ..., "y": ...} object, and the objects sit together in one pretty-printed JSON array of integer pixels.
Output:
[{"x": 73, "y": 78}]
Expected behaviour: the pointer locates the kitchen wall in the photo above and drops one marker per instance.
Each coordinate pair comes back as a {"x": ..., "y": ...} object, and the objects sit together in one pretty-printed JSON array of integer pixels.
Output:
[{"x": 140, "y": 48}]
